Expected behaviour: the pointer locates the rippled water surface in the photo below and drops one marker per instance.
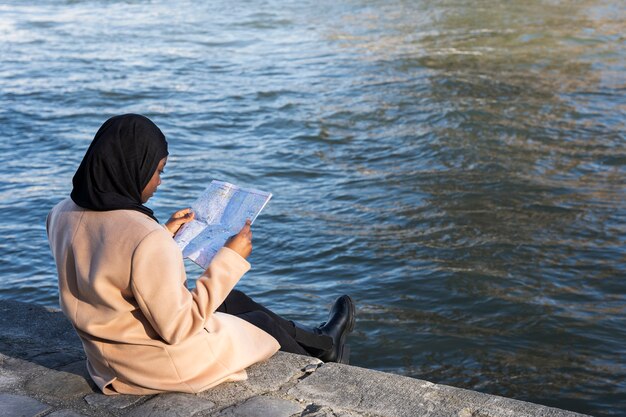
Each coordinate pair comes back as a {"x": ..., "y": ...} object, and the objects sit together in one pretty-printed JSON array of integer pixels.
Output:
[{"x": 457, "y": 166}]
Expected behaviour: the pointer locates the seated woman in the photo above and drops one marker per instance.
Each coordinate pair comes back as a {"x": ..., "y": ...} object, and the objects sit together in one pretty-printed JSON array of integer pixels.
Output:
[{"x": 122, "y": 281}]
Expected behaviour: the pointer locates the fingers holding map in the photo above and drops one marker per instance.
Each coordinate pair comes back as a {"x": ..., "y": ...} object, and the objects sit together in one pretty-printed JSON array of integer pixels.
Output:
[{"x": 220, "y": 212}]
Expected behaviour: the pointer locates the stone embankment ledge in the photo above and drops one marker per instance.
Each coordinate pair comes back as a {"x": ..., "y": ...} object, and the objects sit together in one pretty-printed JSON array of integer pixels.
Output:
[{"x": 42, "y": 373}]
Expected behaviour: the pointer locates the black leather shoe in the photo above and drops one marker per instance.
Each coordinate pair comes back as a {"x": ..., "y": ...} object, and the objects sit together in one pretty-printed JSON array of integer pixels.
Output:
[{"x": 340, "y": 323}]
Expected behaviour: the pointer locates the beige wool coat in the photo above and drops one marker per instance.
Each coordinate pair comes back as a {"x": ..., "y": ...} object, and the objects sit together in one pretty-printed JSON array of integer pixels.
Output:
[{"x": 122, "y": 285}]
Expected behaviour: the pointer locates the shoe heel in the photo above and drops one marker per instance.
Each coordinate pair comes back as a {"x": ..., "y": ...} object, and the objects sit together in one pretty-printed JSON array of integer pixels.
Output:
[
  {"x": 350, "y": 326},
  {"x": 344, "y": 357}
]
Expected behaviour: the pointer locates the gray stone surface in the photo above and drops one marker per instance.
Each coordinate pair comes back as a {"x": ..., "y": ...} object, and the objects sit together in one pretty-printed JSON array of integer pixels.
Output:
[
  {"x": 281, "y": 370},
  {"x": 38, "y": 334},
  {"x": 20, "y": 406},
  {"x": 59, "y": 386},
  {"x": 117, "y": 402},
  {"x": 42, "y": 372},
  {"x": 19, "y": 368},
  {"x": 65, "y": 413},
  {"x": 56, "y": 360},
  {"x": 263, "y": 406},
  {"x": 172, "y": 405},
  {"x": 318, "y": 411},
  {"x": 366, "y": 391},
  {"x": 7, "y": 380},
  {"x": 228, "y": 394}
]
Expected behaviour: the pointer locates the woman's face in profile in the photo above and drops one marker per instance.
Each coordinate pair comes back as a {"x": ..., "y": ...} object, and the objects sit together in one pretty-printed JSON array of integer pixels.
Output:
[{"x": 154, "y": 182}]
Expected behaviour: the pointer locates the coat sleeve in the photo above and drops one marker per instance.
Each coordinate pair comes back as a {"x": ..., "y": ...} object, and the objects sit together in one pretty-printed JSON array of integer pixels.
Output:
[{"x": 158, "y": 284}]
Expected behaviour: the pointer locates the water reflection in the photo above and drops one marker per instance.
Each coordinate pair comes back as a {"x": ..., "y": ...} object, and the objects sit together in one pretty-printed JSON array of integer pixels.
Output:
[{"x": 502, "y": 208}]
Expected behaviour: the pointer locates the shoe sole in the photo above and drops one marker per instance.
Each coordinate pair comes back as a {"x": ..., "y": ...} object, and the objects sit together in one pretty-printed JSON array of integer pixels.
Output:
[{"x": 344, "y": 355}]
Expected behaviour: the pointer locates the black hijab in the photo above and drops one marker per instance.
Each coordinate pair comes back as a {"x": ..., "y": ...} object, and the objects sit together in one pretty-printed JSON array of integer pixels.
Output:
[{"x": 118, "y": 165}]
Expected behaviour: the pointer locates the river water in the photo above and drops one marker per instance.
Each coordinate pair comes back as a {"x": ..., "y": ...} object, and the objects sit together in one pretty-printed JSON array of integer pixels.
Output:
[{"x": 458, "y": 167}]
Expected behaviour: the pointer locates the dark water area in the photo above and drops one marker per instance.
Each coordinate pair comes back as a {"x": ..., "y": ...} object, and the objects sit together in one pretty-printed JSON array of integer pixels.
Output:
[{"x": 458, "y": 167}]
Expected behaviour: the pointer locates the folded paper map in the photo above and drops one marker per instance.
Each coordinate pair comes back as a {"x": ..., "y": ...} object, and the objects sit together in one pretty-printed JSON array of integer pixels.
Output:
[{"x": 220, "y": 212}]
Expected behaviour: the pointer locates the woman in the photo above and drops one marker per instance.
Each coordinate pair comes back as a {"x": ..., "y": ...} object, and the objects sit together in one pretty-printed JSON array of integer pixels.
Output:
[{"x": 122, "y": 281}]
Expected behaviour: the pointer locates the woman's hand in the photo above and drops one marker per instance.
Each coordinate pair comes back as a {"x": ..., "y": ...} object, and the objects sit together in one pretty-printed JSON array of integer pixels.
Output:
[
  {"x": 242, "y": 241},
  {"x": 178, "y": 219}
]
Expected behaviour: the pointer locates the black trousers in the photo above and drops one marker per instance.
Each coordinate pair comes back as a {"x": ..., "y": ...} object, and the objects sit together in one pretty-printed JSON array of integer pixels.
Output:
[{"x": 292, "y": 338}]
